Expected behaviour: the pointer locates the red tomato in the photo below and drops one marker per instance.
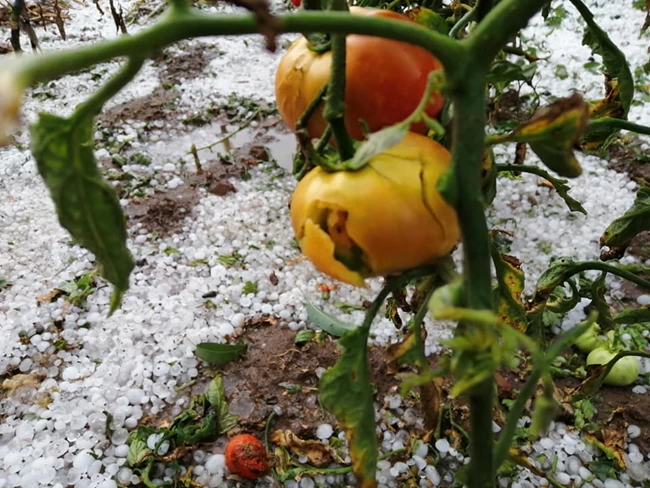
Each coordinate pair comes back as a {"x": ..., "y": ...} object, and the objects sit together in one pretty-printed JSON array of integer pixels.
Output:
[
  {"x": 246, "y": 456},
  {"x": 385, "y": 80},
  {"x": 296, "y": 3}
]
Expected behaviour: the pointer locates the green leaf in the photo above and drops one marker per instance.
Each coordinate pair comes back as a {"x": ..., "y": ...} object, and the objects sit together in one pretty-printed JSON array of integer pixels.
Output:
[
  {"x": 613, "y": 58},
  {"x": 635, "y": 220},
  {"x": 304, "y": 336},
  {"x": 214, "y": 353},
  {"x": 346, "y": 391},
  {"x": 327, "y": 322},
  {"x": 544, "y": 412},
  {"x": 216, "y": 396},
  {"x": 138, "y": 452},
  {"x": 503, "y": 72},
  {"x": 86, "y": 205},
  {"x": 598, "y": 290},
  {"x": 376, "y": 144},
  {"x": 510, "y": 279}
]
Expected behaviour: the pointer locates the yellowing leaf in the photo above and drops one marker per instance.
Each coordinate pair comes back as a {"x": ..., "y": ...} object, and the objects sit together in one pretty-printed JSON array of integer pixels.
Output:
[
  {"x": 552, "y": 134},
  {"x": 510, "y": 278}
]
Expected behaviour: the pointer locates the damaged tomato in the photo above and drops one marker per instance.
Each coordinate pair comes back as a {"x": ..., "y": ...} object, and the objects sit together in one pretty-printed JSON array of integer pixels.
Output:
[
  {"x": 246, "y": 457},
  {"x": 383, "y": 219}
]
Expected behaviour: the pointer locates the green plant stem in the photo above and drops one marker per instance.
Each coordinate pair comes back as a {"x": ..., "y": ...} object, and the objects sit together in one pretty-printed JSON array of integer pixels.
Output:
[
  {"x": 303, "y": 120},
  {"x": 193, "y": 23},
  {"x": 507, "y": 434},
  {"x": 504, "y": 20},
  {"x": 620, "y": 124},
  {"x": 93, "y": 105},
  {"x": 608, "y": 268},
  {"x": 462, "y": 23},
  {"x": 334, "y": 111},
  {"x": 469, "y": 120}
]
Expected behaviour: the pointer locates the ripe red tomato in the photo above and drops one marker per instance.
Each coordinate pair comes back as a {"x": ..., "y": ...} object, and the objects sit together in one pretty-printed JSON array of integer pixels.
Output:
[
  {"x": 296, "y": 3},
  {"x": 385, "y": 80},
  {"x": 246, "y": 456}
]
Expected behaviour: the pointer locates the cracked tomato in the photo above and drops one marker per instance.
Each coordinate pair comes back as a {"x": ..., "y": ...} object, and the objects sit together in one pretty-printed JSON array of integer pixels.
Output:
[
  {"x": 386, "y": 218},
  {"x": 385, "y": 80}
]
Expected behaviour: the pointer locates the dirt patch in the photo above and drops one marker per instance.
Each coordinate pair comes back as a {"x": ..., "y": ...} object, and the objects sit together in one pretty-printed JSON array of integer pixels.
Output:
[
  {"x": 190, "y": 63},
  {"x": 163, "y": 212},
  {"x": 510, "y": 106},
  {"x": 627, "y": 156},
  {"x": 158, "y": 106}
]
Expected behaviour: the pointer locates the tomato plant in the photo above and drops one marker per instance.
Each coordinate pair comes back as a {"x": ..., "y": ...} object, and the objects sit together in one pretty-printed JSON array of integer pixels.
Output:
[
  {"x": 403, "y": 184},
  {"x": 385, "y": 80}
]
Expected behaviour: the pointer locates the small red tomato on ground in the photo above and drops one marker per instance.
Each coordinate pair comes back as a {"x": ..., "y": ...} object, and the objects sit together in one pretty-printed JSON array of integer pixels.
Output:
[
  {"x": 296, "y": 3},
  {"x": 246, "y": 457}
]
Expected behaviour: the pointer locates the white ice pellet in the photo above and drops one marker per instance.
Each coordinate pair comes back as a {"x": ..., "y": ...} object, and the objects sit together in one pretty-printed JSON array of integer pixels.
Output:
[
  {"x": 324, "y": 431},
  {"x": 442, "y": 445},
  {"x": 547, "y": 443},
  {"x": 215, "y": 463},
  {"x": 633, "y": 431}
]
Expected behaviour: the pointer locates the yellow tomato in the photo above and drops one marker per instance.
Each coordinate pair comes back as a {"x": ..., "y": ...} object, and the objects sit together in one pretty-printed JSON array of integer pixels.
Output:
[{"x": 383, "y": 219}]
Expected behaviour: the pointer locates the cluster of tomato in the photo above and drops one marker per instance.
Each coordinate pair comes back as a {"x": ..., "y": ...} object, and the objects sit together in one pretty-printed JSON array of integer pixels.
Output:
[{"x": 387, "y": 217}]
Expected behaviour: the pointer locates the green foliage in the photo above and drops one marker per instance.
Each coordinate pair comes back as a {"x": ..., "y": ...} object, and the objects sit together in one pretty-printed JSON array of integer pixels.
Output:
[
  {"x": 214, "y": 353},
  {"x": 635, "y": 220},
  {"x": 346, "y": 391},
  {"x": 86, "y": 205}
]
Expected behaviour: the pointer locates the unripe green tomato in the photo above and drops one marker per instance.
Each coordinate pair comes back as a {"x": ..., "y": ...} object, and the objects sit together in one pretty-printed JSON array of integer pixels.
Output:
[
  {"x": 624, "y": 372},
  {"x": 589, "y": 340}
]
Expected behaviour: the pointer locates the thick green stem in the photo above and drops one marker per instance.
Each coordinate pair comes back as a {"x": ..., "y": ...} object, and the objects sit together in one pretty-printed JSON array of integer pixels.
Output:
[
  {"x": 620, "y": 124},
  {"x": 503, "y": 21},
  {"x": 192, "y": 24},
  {"x": 93, "y": 105},
  {"x": 608, "y": 268},
  {"x": 334, "y": 111},
  {"x": 467, "y": 150}
]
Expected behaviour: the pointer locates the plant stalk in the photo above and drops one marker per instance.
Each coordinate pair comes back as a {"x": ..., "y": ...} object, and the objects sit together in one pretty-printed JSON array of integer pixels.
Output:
[
  {"x": 334, "y": 111},
  {"x": 192, "y": 24},
  {"x": 467, "y": 151}
]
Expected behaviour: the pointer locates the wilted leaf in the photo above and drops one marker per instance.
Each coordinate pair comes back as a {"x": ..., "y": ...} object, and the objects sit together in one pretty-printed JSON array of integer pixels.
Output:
[
  {"x": 214, "y": 353},
  {"x": 346, "y": 391},
  {"x": 327, "y": 322},
  {"x": 510, "y": 278},
  {"x": 377, "y": 143},
  {"x": 87, "y": 206},
  {"x": 216, "y": 396},
  {"x": 611, "y": 451},
  {"x": 319, "y": 454},
  {"x": 613, "y": 58},
  {"x": 621, "y": 231},
  {"x": 553, "y": 132}
]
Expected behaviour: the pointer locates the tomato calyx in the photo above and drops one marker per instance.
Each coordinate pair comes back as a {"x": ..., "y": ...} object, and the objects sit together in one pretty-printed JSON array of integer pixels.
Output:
[{"x": 319, "y": 42}]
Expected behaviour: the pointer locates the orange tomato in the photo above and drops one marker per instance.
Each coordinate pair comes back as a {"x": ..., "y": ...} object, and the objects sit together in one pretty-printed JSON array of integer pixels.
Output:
[
  {"x": 246, "y": 457},
  {"x": 385, "y": 80}
]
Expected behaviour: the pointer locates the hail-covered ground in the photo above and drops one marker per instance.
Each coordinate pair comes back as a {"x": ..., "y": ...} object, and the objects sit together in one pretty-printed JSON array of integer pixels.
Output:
[{"x": 67, "y": 380}]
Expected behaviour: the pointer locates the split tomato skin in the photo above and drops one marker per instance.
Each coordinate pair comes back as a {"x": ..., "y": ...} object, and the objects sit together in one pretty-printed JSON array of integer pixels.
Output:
[
  {"x": 246, "y": 457},
  {"x": 385, "y": 80}
]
